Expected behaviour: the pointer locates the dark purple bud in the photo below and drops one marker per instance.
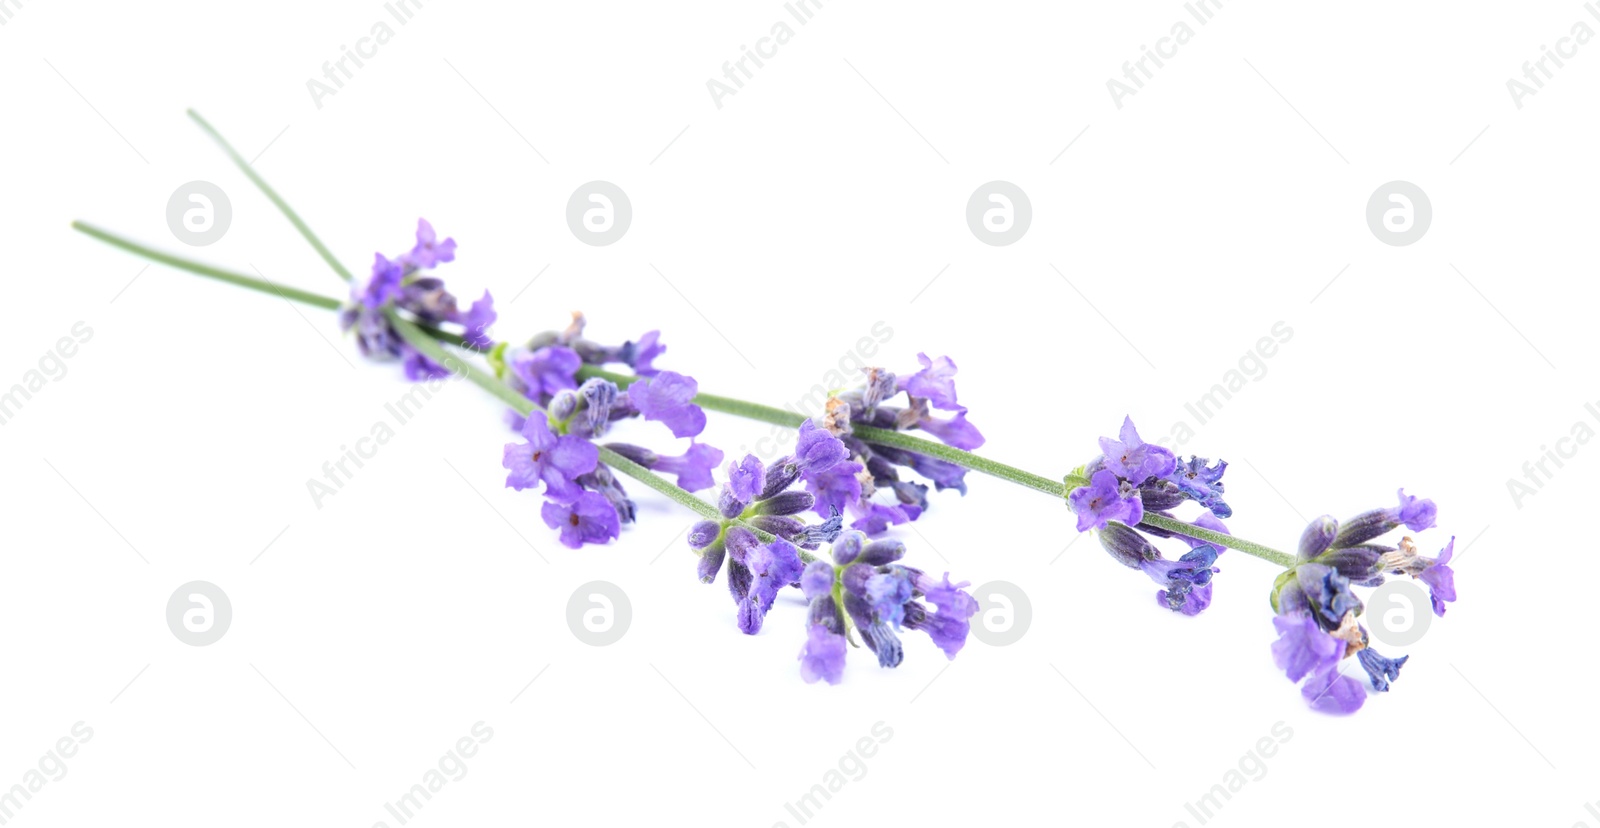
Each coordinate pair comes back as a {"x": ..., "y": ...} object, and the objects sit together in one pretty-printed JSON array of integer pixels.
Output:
[
  {"x": 740, "y": 541},
  {"x": 1365, "y": 527},
  {"x": 598, "y": 396},
  {"x": 1318, "y": 537},
  {"x": 703, "y": 533},
  {"x": 781, "y": 525},
  {"x": 711, "y": 562},
  {"x": 781, "y": 475},
  {"x": 1160, "y": 495},
  {"x": 874, "y": 633},
  {"x": 882, "y": 552},
  {"x": 787, "y": 503},
  {"x": 563, "y": 405},
  {"x": 1127, "y": 546},
  {"x": 739, "y": 580},
  {"x": 846, "y": 547},
  {"x": 1358, "y": 563},
  {"x": 914, "y": 494},
  {"x": 824, "y": 611},
  {"x": 854, "y": 580}
]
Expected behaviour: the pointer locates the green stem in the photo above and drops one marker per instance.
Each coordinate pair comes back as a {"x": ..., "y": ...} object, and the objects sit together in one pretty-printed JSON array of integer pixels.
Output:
[
  {"x": 964, "y": 459},
  {"x": 877, "y": 436},
  {"x": 231, "y": 277},
  {"x": 283, "y": 206},
  {"x": 426, "y": 339},
  {"x": 1265, "y": 553}
]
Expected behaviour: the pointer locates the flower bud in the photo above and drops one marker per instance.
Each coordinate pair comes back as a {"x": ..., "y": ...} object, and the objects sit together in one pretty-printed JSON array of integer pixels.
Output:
[
  {"x": 703, "y": 533},
  {"x": 1365, "y": 526},
  {"x": 880, "y": 552},
  {"x": 847, "y": 546},
  {"x": 711, "y": 562},
  {"x": 787, "y": 503},
  {"x": 1126, "y": 545},
  {"x": 1317, "y": 537}
]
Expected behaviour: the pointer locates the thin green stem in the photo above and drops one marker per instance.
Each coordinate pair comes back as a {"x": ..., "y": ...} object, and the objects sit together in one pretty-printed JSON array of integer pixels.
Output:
[
  {"x": 229, "y": 276},
  {"x": 283, "y": 206},
  {"x": 427, "y": 338},
  {"x": 1265, "y": 553},
  {"x": 876, "y": 436},
  {"x": 964, "y": 459}
]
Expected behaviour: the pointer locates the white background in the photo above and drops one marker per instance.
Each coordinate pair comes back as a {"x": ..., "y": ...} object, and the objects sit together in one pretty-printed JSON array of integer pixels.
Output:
[{"x": 824, "y": 196}]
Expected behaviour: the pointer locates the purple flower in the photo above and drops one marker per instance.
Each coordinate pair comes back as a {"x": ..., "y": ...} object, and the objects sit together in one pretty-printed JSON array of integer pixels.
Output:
[
  {"x": 1105, "y": 499},
  {"x": 475, "y": 325},
  {"x": 419, "y": 367},
  {"x": 1186, "y": 582},
  {"x": 693, "y": 467},
  {"x": 589, "y": 519},
  {"x": 547, "y": 371},
  {"x": 835, "y": 488},
  {"x": 1193, "y": 568},
  {"x": 876, "y": 518},
  {"x": 822, "y": 657},
  {"x": 772, "y": 566},
  {"x": 555, "y": 460},
  {"x": 1416, "y": 513},
  {"x": 667, "y": 398},
  {"x": 1440, "y": 578},
  {"x": 1435, "y": 572},
  {"x": 955, "y": 432},
  {"x": 384, "y": 284},
  {"x": 641, "y": 355},
  {"x": 949, "y": 626},
  {"x": 1202, "y": 483},
  {"x": 816, "y": 450},
  {"x": 887, "y": 594},
  {"x": 429, "y": 252},
  {"x": 1302, "y": 647},
  {"x": 1132, "y": 459},
  {"x": 934, "y": 383},
  {"x": 1328, "y": 691},
  {"x": 1381, "y": 670},
  {"x": 746, "y": 477}
]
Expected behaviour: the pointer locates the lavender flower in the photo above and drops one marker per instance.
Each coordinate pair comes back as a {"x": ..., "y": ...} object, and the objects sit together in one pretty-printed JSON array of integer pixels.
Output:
[
  {"x": 589, "y": 519},
  {"x": 1132, "y": 459},
  {"x": 879, "y": 596},
  {"x": 667, "y": 398},
  {"x": 544, "y": 373},
  {"x": 1132, "y": 477},
  {"x": 872, "y": 468},
  {"x": 822, "y": 657},
  {"x": 1318, "y": 610},
  {"x": 400, "y": 284},
  {"x": 555, "y": 460},
  {"x": 692, "y": 468},
  {"x": 1105, "y": 499}
]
